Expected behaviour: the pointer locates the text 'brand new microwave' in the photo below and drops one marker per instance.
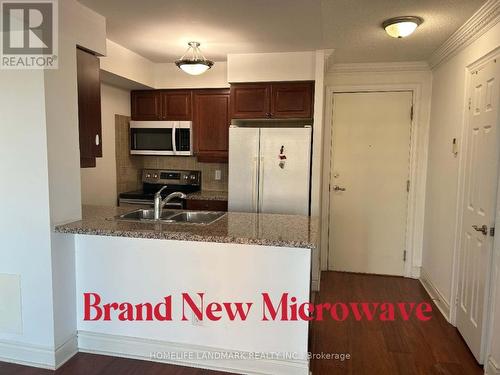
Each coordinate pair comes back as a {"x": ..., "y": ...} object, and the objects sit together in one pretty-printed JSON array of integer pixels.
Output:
[{"x": 161, "y": 138}]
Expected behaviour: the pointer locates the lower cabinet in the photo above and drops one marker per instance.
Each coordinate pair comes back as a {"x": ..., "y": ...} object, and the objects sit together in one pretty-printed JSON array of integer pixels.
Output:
[
  {"x": 206, "y": 205},
  {"x": 211, "y": 125}
]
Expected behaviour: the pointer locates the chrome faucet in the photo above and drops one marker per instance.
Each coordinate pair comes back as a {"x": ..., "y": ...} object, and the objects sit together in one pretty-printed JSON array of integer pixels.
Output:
[{"x": 159, "y": 203}]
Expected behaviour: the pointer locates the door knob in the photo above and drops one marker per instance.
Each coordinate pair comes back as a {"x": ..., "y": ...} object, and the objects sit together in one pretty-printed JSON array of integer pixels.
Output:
[
  {"x": 338, "y": 188},
  {"x": 483, "y": 229}
]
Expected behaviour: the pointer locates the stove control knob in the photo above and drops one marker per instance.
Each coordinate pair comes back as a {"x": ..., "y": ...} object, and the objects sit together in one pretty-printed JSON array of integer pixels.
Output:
[
  {"x": 186, "y": 176},
  {"x": 148, "y": 175},
  {"x": 193, "y": 177},
  {"x": 155, "y": 176}
]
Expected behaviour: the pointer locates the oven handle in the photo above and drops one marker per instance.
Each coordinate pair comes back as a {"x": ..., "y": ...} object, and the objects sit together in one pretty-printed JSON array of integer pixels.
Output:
[{"x": 174, "y": 145}]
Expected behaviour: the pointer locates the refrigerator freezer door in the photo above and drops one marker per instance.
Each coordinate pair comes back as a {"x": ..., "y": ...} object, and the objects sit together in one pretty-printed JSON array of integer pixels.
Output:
[
  {"x": 243, "y": 169},
  {"x": 285, "y": 157}
]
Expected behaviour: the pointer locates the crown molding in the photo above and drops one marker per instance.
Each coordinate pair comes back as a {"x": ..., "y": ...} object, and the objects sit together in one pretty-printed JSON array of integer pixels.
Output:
[
  {"x": 484, "y": 19},
  {"x": 380, "y": 67}
]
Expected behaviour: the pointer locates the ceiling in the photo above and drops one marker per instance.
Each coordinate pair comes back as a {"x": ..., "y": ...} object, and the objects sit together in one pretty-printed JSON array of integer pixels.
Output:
[{"x": 160, "y": 29}]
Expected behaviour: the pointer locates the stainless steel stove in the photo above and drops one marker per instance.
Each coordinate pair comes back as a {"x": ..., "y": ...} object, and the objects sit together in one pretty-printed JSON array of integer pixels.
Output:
[{"x": 154, "y": 179}]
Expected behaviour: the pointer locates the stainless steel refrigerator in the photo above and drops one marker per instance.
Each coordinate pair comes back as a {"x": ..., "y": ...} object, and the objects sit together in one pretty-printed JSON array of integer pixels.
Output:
[{"x": 269, "y": 170}]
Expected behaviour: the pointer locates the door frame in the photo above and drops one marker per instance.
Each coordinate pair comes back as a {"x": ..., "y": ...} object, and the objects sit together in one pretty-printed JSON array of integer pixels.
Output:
[
  {"x": 417, "y": 172},
  {"x": 495, "y": 257}
]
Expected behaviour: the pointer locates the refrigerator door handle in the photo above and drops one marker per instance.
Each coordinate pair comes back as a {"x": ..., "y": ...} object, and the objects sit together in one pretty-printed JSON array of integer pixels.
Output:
[
  {"x": 255, "y": 184},
  {"x": 261, "y": 184}
]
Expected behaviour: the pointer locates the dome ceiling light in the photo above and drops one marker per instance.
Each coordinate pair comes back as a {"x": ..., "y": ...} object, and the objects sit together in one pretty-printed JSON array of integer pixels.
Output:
[
  {"x": 401, "y": 27},
  {"x": 193, "y": 62}
]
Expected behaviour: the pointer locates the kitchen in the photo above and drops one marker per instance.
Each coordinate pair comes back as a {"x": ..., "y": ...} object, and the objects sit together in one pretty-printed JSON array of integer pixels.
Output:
[{"x": 202, "y": 169}]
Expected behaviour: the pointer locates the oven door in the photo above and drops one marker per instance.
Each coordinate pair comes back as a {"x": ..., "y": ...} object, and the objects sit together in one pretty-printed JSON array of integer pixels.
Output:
[{"x": 152, "y": 137}]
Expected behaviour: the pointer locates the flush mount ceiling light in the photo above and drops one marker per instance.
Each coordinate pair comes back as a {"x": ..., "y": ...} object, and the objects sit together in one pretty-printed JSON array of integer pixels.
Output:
[
  {"x": 400, "y": 27},
  {"x": 193, "y": 62}
]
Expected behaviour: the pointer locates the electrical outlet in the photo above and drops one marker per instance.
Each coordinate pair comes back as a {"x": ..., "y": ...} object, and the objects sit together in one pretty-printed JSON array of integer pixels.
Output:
[{"x": 218, "y": 174}]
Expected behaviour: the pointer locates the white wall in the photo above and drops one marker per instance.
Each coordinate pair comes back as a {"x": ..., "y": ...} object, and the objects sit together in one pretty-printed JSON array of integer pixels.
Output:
[
  {"x": 40, "y": 151},
  {"x": 447, "y": 116},
  {"x": 99, "y": 183},
  {"x": 25, "y": 224},
  {"x": 262, "y": 67},
  {"x": 169, "y": 76},
  {"x": 385, "y": 77},
  {"x": 123, "y": 62}
]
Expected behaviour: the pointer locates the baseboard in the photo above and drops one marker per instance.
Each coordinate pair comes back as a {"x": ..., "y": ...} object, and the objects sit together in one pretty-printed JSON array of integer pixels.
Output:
[
  {"x": 38, "y": 356},
  {"x": 492, "y": 368},
  {"x": 28, "y": 355},
  {"x": 142, "y": 349},
  {"x": 66, "y": 351},
  {"x": 416, "y": 272},
  {"x": 435, "y": 294}
]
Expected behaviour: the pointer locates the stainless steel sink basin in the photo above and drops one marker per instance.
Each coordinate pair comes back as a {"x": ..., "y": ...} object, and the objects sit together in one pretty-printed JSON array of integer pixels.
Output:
[
  {"x": 196, "y": 217},
  {"x": 171, "y": 216},
  {"x": 145, "y": 215}
]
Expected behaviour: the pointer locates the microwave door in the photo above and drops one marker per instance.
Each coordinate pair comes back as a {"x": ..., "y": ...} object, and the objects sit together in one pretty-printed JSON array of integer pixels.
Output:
[
  {"x": 152, "y": 141},
  {"x": 183, "y": 138}
]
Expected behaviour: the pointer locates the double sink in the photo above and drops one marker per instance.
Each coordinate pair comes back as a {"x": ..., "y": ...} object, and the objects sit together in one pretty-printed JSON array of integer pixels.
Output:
[{"x": 172, "y": 217}]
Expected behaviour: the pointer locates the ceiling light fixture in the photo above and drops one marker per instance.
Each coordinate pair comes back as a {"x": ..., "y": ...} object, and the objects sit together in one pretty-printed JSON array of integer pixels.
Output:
[
  {"x": 400, "y": 27},
  {"x": 193, "y": 62}
]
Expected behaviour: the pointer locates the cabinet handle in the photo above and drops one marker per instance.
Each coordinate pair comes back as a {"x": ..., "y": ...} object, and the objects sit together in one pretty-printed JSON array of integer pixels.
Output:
[{"x": 97, "y": 140}]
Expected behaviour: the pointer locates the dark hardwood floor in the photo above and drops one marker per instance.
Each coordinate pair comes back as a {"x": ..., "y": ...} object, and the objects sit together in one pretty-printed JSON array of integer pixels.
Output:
[
  {"x": 406, "y": 348},
  {"x": 376, "y": 348}
]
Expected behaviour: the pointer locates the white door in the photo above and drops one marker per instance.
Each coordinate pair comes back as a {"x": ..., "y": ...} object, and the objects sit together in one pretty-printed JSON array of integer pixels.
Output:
[
  {"x": 368, "y": 187},
  {"x": 478, "y": 214},
  {"x": 243, "y": 169},
  {"x": 285, "y": 159}
]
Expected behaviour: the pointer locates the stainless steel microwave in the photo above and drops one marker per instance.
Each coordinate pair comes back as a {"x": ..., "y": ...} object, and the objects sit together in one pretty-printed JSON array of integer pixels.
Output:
[{"x": 161, "y": 138}]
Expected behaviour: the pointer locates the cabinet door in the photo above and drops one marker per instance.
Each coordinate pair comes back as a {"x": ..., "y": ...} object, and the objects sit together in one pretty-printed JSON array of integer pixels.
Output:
[
  {"x": 292, "y": 100},
  {"x": 206, "y": 205},
  {"x": 145, "y": 105},
  {"x": 89, "y": 108},
  {"x": 176, "y": 105},
  {"x": 250, "y": 100},
  {"x": 211, "y": 125}
]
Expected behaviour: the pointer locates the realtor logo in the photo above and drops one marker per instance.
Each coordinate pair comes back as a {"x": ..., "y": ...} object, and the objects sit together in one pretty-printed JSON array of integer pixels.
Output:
[{"x": 29, "y": 34}]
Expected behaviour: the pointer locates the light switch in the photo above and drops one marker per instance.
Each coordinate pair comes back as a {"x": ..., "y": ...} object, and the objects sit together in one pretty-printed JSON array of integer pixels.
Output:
[{"x": 218, "y": 174}]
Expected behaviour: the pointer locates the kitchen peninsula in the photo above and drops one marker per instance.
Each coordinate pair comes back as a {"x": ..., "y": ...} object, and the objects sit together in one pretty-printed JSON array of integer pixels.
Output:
[{"x": 236, "y": 258}]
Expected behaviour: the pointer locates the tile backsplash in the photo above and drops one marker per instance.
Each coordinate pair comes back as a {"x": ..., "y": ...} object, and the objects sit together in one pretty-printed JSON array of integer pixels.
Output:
[{"x": 128, "y": 167}]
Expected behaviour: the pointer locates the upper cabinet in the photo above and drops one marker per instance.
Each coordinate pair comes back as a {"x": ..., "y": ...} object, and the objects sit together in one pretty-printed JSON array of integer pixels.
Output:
[
  {"x": 211, "y": 124},
  {"x": 250, "y": 100},
  {"x": 272, "y": 100},
  {"x": 149, "y": 105},
  {"x": 145, "y": 105},
  {"x": 176, "y": 105},
  {"x": 89, "y": 108}
]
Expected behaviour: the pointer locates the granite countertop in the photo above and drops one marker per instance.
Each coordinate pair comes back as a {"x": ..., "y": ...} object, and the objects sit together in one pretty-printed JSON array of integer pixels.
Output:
[
  {"x": 234, "y": 227},
  {"x": 208, "y": 195}
]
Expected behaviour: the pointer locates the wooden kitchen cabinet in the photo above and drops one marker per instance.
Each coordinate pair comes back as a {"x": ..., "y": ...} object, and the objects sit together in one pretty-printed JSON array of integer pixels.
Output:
[
  {"x": 206, "y": 205},
  {"x": 145, "y": 105},
  {"x": 176, "y": 105},
  {"x": 211, "y": 124},
  {"x": 272, "y": 100},
  {"x": 151, "y": 105},
  {"x": 89, "y": 108},
  {"x": 250, "y": 100},
  {"x": 292, "y": 100}
]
